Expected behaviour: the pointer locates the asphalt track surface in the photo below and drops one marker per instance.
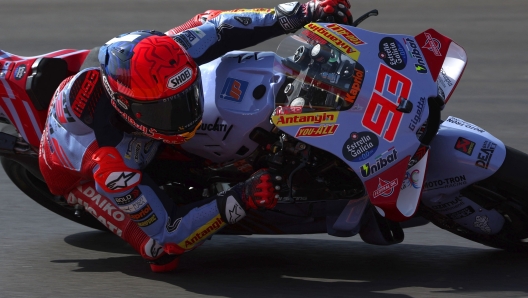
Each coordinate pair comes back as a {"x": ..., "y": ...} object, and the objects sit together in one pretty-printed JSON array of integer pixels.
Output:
[{"x": 43, "y": 255}]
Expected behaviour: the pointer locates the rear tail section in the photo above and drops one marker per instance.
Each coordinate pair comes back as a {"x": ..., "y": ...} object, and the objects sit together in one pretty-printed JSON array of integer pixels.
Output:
[{"x": 27, "y": 85}]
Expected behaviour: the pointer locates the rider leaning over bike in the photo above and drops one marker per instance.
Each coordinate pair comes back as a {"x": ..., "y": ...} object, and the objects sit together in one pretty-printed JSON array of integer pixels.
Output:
[{"x": 106, "y": 124}]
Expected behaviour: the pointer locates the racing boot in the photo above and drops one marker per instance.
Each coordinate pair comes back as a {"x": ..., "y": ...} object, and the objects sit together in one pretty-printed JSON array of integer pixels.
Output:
[{"x": 159, "y": 260}]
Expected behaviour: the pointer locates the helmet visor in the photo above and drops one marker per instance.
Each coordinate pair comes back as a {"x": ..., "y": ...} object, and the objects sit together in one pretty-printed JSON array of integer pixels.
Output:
[{"x": 176, "y": 114}]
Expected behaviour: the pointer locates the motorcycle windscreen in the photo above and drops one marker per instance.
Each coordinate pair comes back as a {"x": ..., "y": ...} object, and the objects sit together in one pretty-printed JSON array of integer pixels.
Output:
[{"x": 320, "y": 75}]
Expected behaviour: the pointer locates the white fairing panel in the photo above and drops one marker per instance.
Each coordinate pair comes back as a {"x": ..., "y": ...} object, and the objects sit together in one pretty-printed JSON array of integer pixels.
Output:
[{"x": 239, "y": 92}]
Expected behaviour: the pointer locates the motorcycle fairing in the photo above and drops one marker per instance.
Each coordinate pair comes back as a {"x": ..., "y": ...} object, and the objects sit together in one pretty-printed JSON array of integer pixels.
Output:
[
  {"x": 373, "y": 133},
  {"x": 446, "y": 59},
  {"x": 17, "y": 75},
  {"x": 241, "y": 96},
  {"x": 461, "y": 154}
]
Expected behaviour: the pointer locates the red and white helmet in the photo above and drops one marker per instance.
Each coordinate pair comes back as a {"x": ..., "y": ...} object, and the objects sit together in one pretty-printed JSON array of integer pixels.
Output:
[{"x": 154, "y": 85}]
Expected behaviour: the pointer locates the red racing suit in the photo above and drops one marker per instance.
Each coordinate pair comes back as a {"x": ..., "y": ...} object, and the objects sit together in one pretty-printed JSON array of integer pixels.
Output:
[{"x": 93, "y": 158}]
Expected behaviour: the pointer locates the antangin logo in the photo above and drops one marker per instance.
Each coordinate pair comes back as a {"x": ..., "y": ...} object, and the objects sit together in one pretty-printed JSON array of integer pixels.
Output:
[
  {"x": 333, "y": 39},
  {"x": 311, "y": 118},
  {"x": 201, "y": 234}
]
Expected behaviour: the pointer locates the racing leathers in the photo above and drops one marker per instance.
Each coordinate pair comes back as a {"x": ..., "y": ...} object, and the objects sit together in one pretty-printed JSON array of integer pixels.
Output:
[{"x": 93, "y": 158}]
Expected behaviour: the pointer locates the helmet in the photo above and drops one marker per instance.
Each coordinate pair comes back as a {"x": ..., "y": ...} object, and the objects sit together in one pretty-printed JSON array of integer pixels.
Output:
[{"x": 154, "y": 85}]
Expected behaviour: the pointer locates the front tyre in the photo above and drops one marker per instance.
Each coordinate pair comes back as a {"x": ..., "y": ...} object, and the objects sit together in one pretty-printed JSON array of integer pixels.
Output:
[{"x": 505, "y": 191}]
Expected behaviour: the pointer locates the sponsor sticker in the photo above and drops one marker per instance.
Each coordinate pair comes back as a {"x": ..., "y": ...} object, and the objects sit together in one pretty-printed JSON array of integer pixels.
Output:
[
  {"x": 171, "y": 226},
  {"x": 189, "y": 37},
  {"x": 233, "y": 212},
  {"x": 465, "y": 212},
  {"x": 444, "y": 80},
  {"x": 128, "y": 198},
  {"x": 234, "y": 89},
  {"x": 308, "y": 118},
  {"x": 446, "y": 182},
  {"x": 485, "y": 154},
  {"x": 179, "y": 79},
  {"x": 357, "y": 83},
  {"x": 346, "y": 34},
  {"x": 465, "y": 146},
  {"x": 203, "y": 232},
  {"x": 481, "y": 222},
  {"x": 141, "y": 214},
  {"x": 317, "y": 131},
  {"x": 412, "y": 179},
  {"x": 20, "y": 71},
  {"x": 147, "y": 222},
  {"x": 360, "y": 146},
  {"x": 334, "y": 39},
  {"x": 414, "y": 51},
  {"x": 418, "y": 115},
  {"x": 432, "y": 44},
  {"x": 243, "y": 20},
  {"x": 462, "y": 123},
  {"x": 135, "y": 205},
  {"x": 385, "y": 159},
  {"x": 392, "y": 53},
  {"x": 120, "y": 180}
]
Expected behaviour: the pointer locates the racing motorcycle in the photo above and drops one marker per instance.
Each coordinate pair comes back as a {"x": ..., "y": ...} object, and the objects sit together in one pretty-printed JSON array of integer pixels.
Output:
[{"x": 349, "y": 117}]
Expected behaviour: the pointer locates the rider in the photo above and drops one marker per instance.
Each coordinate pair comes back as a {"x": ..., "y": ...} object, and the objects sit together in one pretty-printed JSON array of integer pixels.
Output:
[{"x": 106, "y": 124}]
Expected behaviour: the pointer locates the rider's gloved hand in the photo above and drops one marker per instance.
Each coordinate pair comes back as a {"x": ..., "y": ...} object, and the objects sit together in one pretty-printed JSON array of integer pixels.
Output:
[
  {"x": 260, "y": 191},
  {"x": 328, "y": 11},
  {"x": 294, "y": 15}
]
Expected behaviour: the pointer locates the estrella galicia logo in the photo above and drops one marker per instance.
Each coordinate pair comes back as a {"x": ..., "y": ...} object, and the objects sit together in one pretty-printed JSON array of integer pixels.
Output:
[
  {"x": 234, "y": 89},
  {"x": 360, "y": 146},
  {"x": 393, "y": 53}
]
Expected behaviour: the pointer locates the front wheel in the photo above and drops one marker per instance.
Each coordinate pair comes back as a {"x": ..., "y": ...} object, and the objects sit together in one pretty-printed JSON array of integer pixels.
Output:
[{"x": 505, "y": 191}]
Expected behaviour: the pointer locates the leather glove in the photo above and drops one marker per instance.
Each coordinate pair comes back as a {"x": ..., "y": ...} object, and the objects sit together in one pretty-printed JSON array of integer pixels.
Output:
[
  {"x": 293, "y": 15},
  {"x": 330, "y": 11},
  {"x": 260, "y": 191}
]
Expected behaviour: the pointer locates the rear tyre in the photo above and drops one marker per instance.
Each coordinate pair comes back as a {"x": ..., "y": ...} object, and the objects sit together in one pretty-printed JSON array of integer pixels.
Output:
[
  {"x": 505, "y": 191},
  {"x": 38, "y": 191}
]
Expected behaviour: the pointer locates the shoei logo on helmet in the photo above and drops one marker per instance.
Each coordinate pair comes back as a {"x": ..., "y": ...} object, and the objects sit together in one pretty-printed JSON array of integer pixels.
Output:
[{"x": 180, "y": 78}]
